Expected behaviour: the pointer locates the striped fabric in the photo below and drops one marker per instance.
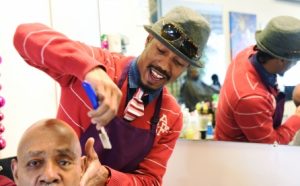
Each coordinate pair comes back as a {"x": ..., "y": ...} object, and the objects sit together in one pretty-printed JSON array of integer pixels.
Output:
[
  {"x": 135, "y": 107},
  {"x": 246, "y": 107}
]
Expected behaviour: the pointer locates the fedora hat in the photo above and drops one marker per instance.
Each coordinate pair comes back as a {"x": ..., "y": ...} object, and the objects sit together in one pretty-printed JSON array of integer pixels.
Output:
[
  {"x": 281, "y": 38},
  {"x": 183, "y": 31}
]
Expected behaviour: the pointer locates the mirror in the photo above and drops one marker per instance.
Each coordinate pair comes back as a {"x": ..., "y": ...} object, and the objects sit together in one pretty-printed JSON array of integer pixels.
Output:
[
  {"x": 242, "y": 34},
  {"x": 195, "y": 90}
]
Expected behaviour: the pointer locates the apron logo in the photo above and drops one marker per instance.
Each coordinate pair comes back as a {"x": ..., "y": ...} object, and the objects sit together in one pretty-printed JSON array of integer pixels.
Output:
[{"x": 162, "y": 126}]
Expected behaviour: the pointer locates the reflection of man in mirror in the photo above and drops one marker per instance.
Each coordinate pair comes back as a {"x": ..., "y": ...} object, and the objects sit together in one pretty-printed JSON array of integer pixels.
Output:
[
  {"x": 216, "y": 85},
  {"x": 194, "y": 90},
  {"x": 250, "y": 105}
]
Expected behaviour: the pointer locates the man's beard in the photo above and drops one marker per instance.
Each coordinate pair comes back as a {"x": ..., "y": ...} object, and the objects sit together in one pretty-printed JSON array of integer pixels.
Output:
[{"x": 147, "y": 88}]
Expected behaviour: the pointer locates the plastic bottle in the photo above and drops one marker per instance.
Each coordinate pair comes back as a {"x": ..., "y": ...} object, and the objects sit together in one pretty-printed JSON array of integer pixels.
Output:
[
  {"x": 209, "y": 131},
  {"x": 186, "y": 120},
  {"x": 194, "y": 126}
]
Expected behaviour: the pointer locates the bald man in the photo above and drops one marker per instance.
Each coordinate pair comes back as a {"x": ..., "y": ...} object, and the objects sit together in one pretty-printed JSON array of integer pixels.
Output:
[{"x": 49, "y": 153}]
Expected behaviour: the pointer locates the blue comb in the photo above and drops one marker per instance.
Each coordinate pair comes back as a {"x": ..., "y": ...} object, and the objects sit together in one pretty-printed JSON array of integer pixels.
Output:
[{"x": 94, "y": 100}]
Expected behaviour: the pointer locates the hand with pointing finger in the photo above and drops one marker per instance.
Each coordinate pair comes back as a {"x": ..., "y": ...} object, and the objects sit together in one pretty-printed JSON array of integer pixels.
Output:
[{"x": 95, "y": 173}]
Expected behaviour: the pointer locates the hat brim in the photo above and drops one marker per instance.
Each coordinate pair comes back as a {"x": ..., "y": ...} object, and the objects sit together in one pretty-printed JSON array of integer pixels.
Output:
[
  {"x": 171, "y": 47},
  {"x": 261, "y": 46}
]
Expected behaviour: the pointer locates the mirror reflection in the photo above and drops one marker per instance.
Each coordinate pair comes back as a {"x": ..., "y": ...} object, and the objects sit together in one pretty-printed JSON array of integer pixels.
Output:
[
  {"x": 198, "y": 102},
  {"x": 252, "y": 105}
]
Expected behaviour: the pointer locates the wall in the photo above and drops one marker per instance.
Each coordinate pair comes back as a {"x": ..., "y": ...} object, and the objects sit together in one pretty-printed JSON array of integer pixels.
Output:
[
  {"x": 29, "y": 94},
  {"x": 129, "y": 21}
]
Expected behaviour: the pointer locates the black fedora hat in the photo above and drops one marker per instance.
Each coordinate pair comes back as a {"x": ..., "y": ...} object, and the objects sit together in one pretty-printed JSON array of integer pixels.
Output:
[
  {"x": 281, "y": 38},
  {"x": 193, "y": 34}
]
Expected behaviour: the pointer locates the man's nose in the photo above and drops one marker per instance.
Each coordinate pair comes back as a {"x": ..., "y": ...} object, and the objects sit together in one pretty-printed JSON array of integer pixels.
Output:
[
  {"x": 50, "y": 174},
  {"x": 166, "y": 63}
]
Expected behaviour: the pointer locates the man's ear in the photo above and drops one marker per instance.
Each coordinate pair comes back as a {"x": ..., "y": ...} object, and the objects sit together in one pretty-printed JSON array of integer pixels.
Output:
[
  {"x": 149, "y": 38},
  {"x": 14, "y": 168},
  {"x": 84, "y": 165},
  {"x": 283, "y": 62}
]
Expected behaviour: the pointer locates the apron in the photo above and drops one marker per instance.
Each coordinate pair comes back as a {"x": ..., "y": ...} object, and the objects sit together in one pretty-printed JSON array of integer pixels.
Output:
[
  {"x": 280, "y": 100},
  {"x": 278, "y": 115},
  {"x": 130, "y": 145}
]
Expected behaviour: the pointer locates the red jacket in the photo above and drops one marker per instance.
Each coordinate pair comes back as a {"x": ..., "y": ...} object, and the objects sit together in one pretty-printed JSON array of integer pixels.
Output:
[
  {"x": 4, "y": 181},
  {"x": 246, "y": 107},
  {"x": 67, "y": 62}
]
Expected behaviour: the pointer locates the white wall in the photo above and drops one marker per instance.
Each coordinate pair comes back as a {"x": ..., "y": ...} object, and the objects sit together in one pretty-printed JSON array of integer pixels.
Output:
[
  {"x": 29, "y": 94},
  {"x": 126, "y": 18},
  {"x": 78, "y": 19}
]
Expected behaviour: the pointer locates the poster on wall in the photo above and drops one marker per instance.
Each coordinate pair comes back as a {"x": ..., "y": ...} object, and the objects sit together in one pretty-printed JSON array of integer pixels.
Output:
[
  {"x": 213, "y": 56},
  {"x": 154, "y": 7},
  {"x": 242, "y": 31}
]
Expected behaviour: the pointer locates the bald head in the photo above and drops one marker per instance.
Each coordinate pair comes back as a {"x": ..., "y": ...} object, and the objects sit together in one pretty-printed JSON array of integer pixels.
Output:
[
  {"x": 47, "y": 130},
  {"x": 49, "y": 152},
  {"x": 296, "y": 95}
]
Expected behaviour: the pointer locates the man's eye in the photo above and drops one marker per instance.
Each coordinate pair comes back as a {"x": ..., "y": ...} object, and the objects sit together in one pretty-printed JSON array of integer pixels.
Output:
[
  {"x": 177, "y": 63},
  {"x": 160, "y": 50},
  {"x": 34, "y": 163},
  {"x": 64, "y": 163}
]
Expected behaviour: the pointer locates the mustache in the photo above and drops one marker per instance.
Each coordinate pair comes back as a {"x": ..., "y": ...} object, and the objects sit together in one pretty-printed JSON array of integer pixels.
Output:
[{"x": 162, "y": 71}]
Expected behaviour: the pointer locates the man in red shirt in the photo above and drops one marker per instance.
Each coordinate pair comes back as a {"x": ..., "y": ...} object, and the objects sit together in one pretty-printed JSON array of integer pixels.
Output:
[
  {"x": 250, "y": 106},
  {"x": 141, "y": 146}
]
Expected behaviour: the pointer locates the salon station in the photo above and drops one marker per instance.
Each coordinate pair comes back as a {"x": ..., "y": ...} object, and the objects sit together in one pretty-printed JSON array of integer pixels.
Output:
[{"x": 117, "y": 25}]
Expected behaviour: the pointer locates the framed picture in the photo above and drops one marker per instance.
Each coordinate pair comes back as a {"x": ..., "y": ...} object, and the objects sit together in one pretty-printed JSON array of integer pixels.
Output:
[
  {"x": 154, "y": 10},
  {"x": 242, "y": 31}
]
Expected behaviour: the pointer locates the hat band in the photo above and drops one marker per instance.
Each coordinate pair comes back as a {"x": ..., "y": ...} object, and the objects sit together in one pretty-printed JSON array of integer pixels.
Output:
[{"x": 179, "y": 40}]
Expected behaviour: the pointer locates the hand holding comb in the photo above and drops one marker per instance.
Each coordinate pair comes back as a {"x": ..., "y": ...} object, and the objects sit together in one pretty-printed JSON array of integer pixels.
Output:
[{"x": 94, "y": 100}]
